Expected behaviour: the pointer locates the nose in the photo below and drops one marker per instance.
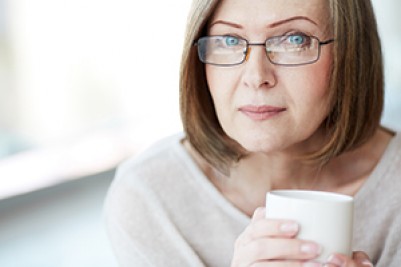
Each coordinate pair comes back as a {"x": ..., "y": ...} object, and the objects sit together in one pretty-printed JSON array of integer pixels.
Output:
[{"x": 258, "y": 70}]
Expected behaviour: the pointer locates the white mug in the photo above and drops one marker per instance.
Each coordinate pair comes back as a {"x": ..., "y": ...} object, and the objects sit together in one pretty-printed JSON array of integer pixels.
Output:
[{"x": 325, "y": 218}]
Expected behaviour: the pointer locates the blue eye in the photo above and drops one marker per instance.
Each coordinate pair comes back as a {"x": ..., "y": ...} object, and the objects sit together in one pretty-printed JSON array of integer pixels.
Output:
[
  {"x": 232, "y": 41},
  {"x": 296, "y": 39}
]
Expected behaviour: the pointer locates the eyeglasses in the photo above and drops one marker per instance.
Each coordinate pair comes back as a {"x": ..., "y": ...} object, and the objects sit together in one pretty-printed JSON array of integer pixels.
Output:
[{"x": 287, "y": 50}]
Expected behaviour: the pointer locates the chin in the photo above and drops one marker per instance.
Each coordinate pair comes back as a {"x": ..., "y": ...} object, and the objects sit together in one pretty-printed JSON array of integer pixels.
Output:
[
  {"x": 261, "y": 145},
  {"x": 262, "y": 149}
]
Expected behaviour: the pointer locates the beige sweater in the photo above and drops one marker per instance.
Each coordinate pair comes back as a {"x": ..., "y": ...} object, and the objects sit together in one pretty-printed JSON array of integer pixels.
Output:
[{"x": 162, "y": 211}]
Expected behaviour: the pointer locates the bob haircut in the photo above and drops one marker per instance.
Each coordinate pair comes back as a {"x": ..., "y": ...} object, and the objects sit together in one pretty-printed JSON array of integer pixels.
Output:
[{"x": 356, "y": 84}]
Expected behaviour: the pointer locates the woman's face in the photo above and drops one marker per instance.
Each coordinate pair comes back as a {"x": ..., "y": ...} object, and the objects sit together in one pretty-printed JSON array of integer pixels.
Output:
[{"x": 266, "y": 107}]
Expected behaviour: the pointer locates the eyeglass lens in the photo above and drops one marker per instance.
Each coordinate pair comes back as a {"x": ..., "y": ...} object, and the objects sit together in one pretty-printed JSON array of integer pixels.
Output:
[{"x": 297, "y": 49}]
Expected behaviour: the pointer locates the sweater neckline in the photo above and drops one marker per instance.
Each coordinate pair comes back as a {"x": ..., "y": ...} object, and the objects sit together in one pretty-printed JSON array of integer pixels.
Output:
[{"x": 371, "y": 183}]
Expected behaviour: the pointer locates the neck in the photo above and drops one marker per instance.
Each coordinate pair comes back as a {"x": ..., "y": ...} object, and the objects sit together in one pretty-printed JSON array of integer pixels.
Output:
[
  {"x": 286, "y": 169},
  {"x": 271, "y": 172},
  {"x": 259, "y": 173}
]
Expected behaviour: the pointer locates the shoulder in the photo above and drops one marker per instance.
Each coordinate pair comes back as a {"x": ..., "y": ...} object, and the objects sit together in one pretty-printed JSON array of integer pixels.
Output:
[
  {"x": 141, "y": 181},
  {"x": 397, "y": 141},
  {"x": 164, "y": 165},
  {"x": 155, "y": 160},
  {"x": 382, "y": 186},
  {"x": 377, "y": 206},
  {"x": 393, "y": 155},
  {"x": 144, "y": 202},
  {"x": 386, "y": 176}
]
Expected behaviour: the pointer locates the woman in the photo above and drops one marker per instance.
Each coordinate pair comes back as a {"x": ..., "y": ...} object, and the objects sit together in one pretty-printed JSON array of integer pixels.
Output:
[{"x": 274, "y": 95}]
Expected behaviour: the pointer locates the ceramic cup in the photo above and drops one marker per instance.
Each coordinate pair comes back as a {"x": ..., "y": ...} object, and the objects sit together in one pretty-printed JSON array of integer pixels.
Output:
[{"x": 326, "y": 218}]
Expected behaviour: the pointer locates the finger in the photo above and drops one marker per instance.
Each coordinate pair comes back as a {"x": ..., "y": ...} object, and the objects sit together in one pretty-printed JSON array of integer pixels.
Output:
[
  {"x": 264, "y": 228},
  {"x": 259, "y": 213},
  {"x": 362, "y": 259},
  {"x": 359, "y": 259},
  {"x": 273, "y": 228},
  {"x": 282, "y": 249},
  {"x": 338, "y": 260},
  {"x": 286, "y": 264}
]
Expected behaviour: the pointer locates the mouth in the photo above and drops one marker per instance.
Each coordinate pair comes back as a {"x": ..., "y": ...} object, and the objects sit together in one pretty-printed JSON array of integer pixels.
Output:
[{"x": 261, "y": 113}]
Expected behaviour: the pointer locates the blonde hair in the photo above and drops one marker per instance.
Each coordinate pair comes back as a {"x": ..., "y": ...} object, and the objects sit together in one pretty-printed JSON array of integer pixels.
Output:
[{"x": 356, "y": 84}]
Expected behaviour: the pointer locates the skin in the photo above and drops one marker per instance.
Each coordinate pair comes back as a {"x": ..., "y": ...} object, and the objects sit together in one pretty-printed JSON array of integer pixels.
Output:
[
  {"x": 253, "y": 248},
  {"x": 302, "y": 91},
  {"x": 276, "y": 142}
]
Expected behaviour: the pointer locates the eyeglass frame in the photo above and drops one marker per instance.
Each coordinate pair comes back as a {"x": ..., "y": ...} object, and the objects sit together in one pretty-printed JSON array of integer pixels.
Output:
[{"x": 248, "y": 44}]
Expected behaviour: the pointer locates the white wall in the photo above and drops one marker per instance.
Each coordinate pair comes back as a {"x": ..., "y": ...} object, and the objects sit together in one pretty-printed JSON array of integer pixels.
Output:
[
  {"x": 81, "y": 64},
  {"x": 389, "y": 22}
]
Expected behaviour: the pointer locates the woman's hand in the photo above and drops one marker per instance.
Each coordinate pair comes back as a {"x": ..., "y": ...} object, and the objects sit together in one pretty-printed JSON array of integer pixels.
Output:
[
  {"x": 359, "y": 259},
  {"x": 272, "y": 243}
]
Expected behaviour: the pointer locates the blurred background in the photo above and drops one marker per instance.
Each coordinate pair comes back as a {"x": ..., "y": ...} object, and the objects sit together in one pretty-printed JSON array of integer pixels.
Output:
[{"x": 83, "y": 85}]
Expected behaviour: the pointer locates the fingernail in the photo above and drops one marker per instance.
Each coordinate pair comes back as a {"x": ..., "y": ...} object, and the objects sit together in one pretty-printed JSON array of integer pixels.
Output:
[
  {"x": 310, "y": 248},
  {"x": 289, "y": 227},
  {"x": 367, "y": 263},
  {"x": 311, "y": 264},
  {"x": 333, "y": 259},
  {"x": 258, "y": 212}
]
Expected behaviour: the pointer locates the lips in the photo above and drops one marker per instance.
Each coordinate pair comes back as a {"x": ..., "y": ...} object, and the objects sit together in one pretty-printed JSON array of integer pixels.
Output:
[{"x": 260, "y": 113}]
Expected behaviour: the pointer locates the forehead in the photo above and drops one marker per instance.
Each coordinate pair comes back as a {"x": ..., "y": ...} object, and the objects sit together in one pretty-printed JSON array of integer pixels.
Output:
[{"x": 253, "y": 12}]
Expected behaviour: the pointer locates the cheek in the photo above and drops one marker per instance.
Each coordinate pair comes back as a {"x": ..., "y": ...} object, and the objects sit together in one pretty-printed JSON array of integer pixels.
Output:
[
  {"x": 221, "y": 82},
  {"x": 321, "y": 84},
  {"x": 309, "y": 93},
  {"x": 317, "y": 79},
  {"x": 214, "y": 83},
  {"x": 211, "y": 79},
  {"x": 315, "y": 90}
]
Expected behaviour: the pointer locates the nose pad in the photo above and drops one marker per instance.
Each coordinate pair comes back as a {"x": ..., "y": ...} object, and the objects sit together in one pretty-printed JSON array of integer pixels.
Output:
[
  {"x": 259, "y": 73},
  {"x": 248, "y": 53}
]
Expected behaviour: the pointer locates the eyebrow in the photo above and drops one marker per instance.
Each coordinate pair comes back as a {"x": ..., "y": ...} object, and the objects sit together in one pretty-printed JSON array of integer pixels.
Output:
[{"x": 272, "y": 25}]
